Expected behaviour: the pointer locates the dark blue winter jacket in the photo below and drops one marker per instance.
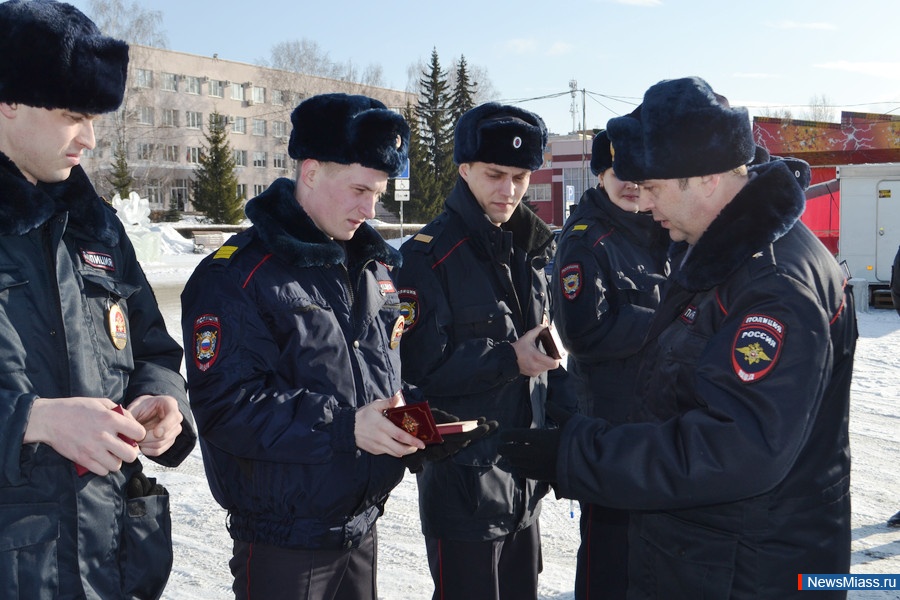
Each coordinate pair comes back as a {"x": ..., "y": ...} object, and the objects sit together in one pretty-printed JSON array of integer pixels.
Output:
[
  {"x": 64, "y": 259},
  {"x": 288, "y": 333}
]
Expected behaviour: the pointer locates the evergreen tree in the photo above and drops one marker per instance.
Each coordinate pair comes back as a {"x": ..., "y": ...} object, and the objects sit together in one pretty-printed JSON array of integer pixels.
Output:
[
  {"x": 464, "y": 91},
  {"x": 425, "y": 201},
  {"x": 120, "y": 178},
  {"x": 215, "y": 182},
  {"x": 436, "y": 131}
]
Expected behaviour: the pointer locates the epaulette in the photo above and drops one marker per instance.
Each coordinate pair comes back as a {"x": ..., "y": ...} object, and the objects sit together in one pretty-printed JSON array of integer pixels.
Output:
[
  {"x": 424, "y": 241},
  {"x": 232, "y": 246}
]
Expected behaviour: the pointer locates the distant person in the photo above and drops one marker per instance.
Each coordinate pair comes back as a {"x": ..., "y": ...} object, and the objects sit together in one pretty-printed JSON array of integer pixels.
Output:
[
  {"x": 475, "y": 297},
  {"x": 82, "y": 335},
  {"x": 293, "y": 329},
  {"x": 609, "y": 268},
  {"x": 736, "y": 470}
]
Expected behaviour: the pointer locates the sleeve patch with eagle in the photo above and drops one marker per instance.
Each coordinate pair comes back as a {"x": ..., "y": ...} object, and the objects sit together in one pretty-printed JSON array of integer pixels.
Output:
[{"x": 756, "y": 347}]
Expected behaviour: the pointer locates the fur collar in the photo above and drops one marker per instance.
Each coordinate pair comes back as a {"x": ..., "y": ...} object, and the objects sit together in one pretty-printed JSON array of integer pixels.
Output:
[
  {"x": 286, "y": 229},
  {"x": 25, "y": 207},
  {"x": 763, "y": 211},
  {"x": 528, "y": 231}
]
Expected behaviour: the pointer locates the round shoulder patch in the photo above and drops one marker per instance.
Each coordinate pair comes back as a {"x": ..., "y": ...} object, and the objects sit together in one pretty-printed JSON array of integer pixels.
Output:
[
  {"x": 756, "y": 347},
  {"x": 207, "y": 337},
  {"x": 409, "y": 307},
  {"x": 571, "y": 279}
]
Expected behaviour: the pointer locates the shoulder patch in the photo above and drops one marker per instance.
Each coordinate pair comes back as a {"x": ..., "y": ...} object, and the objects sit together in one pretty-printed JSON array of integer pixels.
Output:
[
  {"x": 207, "y": 338},
  {"x": 423, "y": 237},
  {"x": 580, "y": 227},
  {"x": 757, "y": 347},
  {"x": 409, "y": 307},
  {"x": 571, "y": 278},
  {"x": 225, "y": 252}
]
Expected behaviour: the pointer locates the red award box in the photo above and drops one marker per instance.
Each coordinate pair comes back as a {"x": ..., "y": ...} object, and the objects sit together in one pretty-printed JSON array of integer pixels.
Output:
[{"x": 416, "y": 419}]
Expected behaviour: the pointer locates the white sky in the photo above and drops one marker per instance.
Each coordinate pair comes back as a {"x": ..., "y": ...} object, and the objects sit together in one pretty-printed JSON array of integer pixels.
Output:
[{"x": 778, "y": 53}]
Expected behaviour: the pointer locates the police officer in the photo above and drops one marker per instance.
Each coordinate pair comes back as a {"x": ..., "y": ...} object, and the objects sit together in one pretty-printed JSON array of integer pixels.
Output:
[
  {"x": 737, "y": 473},
  {"x": 475, "y": 297},
  {"x": 82, "y": 335},
  {"x": 293, "y": 328},
  {"x": 609, "y": 267}
]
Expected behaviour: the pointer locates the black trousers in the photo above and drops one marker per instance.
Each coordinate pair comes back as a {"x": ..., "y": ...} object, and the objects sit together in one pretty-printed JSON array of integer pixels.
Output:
[
  {"x": 264, "y": 572},
  {"x": 601, "y": 571},
  {"x": 502, "y": 569}
]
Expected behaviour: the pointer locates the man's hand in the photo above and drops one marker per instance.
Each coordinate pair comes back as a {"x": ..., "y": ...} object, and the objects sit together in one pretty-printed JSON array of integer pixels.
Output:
[
  {"x": 84, "y": 430},
  {"x": 532, "y": 453},
  {"x": 532, "y": 362},
  {"x": 161, "y": 419},
  {"x": 453, "y": 442},
  {"x": 376, "y": 434}
]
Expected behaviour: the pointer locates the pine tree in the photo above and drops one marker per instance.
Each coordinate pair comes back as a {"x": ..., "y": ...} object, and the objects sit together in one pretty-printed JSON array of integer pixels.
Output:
[
  {"x": 436, "y": 132},
  {"x": 464, "y": 91},
  {"x": 120, "y": 178},
  {"x": 215, "y": 182}
]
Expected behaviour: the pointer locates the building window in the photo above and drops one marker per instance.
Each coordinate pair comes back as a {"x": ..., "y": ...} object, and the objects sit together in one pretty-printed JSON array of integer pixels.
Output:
[
  {"x": 259, "y": 160},
  {"x": 279, "y": 129},
  {"x": 242, "y": 190},
  {"x": 145, "y": 151},
  {"x": 240, "y": 158},
  {"x": 279, "y": 161},
  {"x": 153, "y": 191},
  {"x": 579, "y": 179},
  {"x": 171, "y": 154},
  {"x": 216, "y": 88},
  {"x": 239, "y": 125},
  {"x": 278, "y": 97},
  {"x": 145, "y": 115},
  {"x": 170, "y": 82},
  {"x": 259, "y": 127},
  {"x": 258, "y": 188},
  {"x": 170, "y": 117},
  {"x": 237, "y": 91},
  {"x": 259, "y": 94},
  {"x": 193, "y": 155},
  {"x": 193, "y": 119},
  {"x": 539, "y": 192},
  {"x": 179, "y": 194},
  {"x": 144, "y": 78},
  {"x": 193, "y": 85}
]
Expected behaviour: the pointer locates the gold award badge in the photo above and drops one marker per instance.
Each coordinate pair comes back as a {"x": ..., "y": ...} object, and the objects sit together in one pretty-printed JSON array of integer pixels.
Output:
[
  {"x": 397, "y": 333},
  {"x": 118, "y": 330}
]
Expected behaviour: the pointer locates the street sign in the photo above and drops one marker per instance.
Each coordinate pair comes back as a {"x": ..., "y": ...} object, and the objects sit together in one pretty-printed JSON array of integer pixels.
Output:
[
  {"x": 401, "y": 195},
  {"x": 401, "y": 184}
]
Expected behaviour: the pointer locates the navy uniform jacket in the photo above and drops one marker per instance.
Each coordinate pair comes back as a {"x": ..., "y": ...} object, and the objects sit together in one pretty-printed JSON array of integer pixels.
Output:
[
  {"x": 64, "y": 260},
  {"x": 470, "y": 288},
  {"x": 609, "y": 267},
  {"x": 739, "y": 478},
  {"x": 288, "y": 333}
]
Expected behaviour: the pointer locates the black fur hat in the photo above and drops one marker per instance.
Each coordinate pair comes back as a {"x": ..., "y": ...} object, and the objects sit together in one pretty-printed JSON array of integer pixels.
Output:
[
  {"x": 501, "y": 135},
  {"x": 684, "y": 129},
  {"x": 53, "y": 56},
  {"x": 350, "y": 129},
  {"x": 601, "y": 157}
]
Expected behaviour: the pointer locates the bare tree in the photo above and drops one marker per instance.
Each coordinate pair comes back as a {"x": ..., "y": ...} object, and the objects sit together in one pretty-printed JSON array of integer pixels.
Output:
[
  {"x": 129, "y": 22},
  {"x": 819, "y": 109},
  {"x": 307, "y": 57}
]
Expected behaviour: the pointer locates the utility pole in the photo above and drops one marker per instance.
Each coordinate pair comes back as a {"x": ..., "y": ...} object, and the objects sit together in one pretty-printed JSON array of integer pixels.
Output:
[{"x": 573, "y": 87}]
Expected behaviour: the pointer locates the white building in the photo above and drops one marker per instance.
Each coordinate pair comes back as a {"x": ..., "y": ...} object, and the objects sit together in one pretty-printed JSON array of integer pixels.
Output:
[{"x": 168, "y": 100}]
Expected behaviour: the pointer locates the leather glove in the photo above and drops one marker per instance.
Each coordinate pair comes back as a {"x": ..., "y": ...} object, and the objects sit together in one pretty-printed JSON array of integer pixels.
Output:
[
  {"x": 532, "y": 453},
  {"x": 453, "y": 442}
]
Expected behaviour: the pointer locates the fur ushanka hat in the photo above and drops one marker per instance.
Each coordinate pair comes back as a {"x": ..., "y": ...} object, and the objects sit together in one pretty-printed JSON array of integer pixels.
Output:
[
  {"x": 53, "y": 56},
  {"x": 501, "y": 135},
  {"x": 684, "y": 129},
  {"x": 601, "y": 157},
  {"x": 348, "y": 129}
]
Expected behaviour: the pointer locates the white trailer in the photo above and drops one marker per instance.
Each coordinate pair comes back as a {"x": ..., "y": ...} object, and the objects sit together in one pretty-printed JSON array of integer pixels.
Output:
[{"x": 870, "y": 225}]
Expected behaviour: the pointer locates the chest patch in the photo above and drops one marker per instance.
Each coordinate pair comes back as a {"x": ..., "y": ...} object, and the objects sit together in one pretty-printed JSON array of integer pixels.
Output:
[
  {"x": 207, "y": 337},
  {"x": 571, "y": 279},
  {"x": 387, "y": 287},
  {"x": 98, "y": 260},
  {"x": 409, "y": 307},
  {"x": 689, "y": 315},
  {"x": 756, "y": 347}
]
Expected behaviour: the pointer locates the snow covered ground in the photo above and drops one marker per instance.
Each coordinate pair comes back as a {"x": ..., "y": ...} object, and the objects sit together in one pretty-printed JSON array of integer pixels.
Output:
[{"x": 202, "y": 546}]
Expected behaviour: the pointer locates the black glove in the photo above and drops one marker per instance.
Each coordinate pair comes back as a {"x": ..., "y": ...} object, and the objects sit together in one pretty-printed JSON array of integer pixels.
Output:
[
  {"x": 532, "y": 453},
  {"x": 453, "y": 442}
]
